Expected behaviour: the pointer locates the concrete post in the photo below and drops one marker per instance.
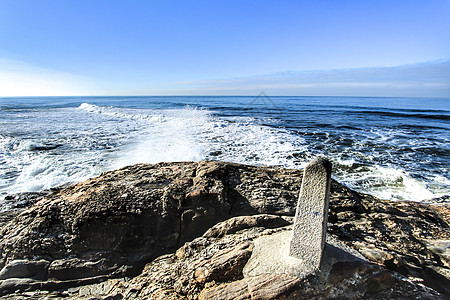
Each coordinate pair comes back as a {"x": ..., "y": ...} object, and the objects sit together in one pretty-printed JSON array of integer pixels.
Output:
[{"x": 310, "y": 224}]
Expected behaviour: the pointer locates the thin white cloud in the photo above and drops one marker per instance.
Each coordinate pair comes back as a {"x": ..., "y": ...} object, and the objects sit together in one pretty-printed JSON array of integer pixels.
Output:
[
  {"x": 20, "y": 79},
  {"x": 419, "y": 80}
]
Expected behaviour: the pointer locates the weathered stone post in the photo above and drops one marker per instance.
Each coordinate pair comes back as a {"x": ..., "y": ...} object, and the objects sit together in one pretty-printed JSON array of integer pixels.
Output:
[{"x": 310, "y": 224}]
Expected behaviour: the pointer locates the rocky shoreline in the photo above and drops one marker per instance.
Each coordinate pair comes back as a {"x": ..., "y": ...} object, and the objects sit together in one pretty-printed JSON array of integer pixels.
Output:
[{"x": 187, "y": 230}]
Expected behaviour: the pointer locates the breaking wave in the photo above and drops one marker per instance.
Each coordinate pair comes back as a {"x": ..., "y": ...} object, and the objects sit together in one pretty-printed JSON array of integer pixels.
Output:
[{"x": 52, "y": 146}]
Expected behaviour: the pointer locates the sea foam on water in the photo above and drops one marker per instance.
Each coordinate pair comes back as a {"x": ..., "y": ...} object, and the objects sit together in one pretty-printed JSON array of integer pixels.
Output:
[{"x": 42, "y": 147}]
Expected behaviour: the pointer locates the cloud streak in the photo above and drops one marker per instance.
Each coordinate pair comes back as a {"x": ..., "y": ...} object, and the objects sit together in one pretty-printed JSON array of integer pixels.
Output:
[{"x": 419, "y": 80}]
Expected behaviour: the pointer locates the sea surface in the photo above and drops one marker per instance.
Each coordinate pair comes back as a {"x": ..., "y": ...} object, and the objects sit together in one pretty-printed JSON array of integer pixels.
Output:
[{"x": 393, "y": 148}]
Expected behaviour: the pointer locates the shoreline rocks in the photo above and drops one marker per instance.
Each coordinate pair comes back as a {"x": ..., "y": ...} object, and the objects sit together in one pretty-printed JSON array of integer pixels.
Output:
[{"x": 158, "y": 216}]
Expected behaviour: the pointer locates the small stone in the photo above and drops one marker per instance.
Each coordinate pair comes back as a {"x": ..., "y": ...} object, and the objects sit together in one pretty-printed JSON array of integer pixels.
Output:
[{"x": 376, "y": 255}]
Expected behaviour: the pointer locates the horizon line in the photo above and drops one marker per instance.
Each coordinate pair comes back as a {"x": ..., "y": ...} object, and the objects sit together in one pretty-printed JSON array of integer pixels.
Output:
[{"x": 200, "y": 95}]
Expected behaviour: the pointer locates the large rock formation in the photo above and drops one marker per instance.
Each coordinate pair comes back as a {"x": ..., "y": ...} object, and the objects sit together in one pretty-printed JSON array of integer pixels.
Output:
[{"x": 113, "y": 225}]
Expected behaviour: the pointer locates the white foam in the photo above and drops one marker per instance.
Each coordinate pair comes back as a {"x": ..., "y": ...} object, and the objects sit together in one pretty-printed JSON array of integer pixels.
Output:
[
  {"x": 42, "y": 171},
  {"x": 174, "y": 136},
  {"x": 122, "y": 113},
  {"x": 192, "y": 134},
  {"x": 387, "y": 183},
  {"x": 87, "y": 106},
  {"x": 99, "y": 138},
  {"x": 250, "y": 143}
]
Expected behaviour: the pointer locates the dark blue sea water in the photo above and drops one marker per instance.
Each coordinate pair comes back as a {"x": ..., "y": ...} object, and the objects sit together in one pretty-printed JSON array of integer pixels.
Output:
[{"x": 393, "y": 148}]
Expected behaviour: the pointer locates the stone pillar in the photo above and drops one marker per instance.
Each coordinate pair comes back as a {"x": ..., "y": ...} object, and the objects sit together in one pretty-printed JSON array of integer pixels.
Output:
[{"x": 310, "y": 224}]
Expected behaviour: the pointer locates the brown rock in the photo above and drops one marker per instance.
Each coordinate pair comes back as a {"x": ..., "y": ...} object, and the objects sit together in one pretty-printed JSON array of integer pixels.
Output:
[
  {"x": 114, "y": 224},
  {"x": 395, "y": 234},
  {"x": 235, "y": 224},
  {"x": 137, "y": 213},
  {"x": 204, "y": 261},
  {"x": 267, "y": 286},
  {"x": 225, "y": 265}
]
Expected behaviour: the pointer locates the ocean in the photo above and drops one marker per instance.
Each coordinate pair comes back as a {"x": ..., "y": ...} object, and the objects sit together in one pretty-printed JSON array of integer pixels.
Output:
[{"x": 392, "y": 148}]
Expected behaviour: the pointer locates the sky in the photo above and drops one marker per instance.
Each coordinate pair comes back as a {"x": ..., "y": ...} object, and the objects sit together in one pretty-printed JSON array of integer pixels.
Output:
[{"x": 323, "y": 47}]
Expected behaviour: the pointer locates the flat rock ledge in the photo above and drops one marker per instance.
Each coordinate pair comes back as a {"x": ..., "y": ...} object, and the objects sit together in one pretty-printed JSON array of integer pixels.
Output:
[{"x": 191, "y": 230}]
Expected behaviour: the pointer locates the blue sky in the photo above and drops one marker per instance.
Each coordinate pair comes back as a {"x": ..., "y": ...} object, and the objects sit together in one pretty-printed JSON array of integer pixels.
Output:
[{"x": 109, "y": 47}]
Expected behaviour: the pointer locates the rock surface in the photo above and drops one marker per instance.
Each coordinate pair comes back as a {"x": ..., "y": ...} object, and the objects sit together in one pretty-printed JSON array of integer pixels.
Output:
[{"x": 113, "y": 225}]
